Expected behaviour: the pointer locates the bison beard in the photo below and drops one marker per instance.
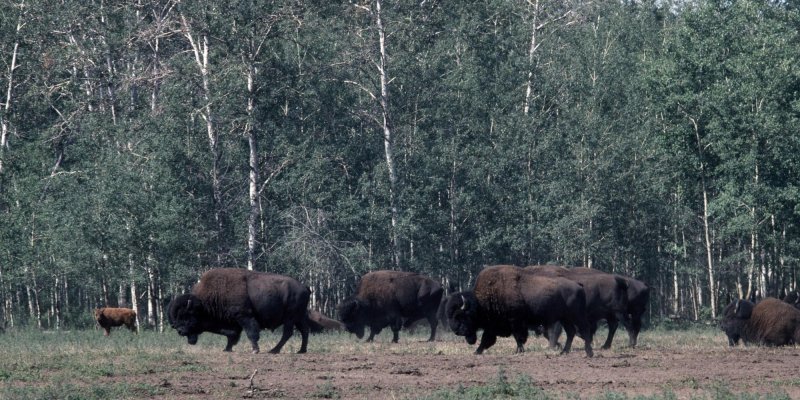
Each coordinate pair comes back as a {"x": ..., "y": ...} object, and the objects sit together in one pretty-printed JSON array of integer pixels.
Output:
[
  {"x": 108, "y": 317},
  {"x": 508, "y": 300},
  {"x": 391, "y": 298},
  {"x": 229, "y": 300},
  {"x": 771, "y": 322}
]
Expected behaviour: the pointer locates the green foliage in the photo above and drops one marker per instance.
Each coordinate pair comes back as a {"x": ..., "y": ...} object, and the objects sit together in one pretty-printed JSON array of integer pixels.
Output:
[{"x": 591, "y": 140}]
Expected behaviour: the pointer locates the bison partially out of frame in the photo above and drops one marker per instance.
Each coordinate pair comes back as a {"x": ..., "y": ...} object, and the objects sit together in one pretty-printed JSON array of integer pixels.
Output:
[
  {"x": 770, "y": 322},
  {"x": 109, "y": 317},
  {"x": 391, "y": 298},
  {"x": 229, "y": 300},
  {"x": 508, "y": 300}
]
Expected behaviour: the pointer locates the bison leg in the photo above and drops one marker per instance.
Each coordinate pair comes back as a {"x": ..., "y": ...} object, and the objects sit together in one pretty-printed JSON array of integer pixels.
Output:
[
  {"x": 612, "y": 328},
  {"x": 569, "y": 329},
  {"x": 304, "y": 328},
  {"x": 433, "y": 321},
  {"x": 233, "y": 338},
  {"x": 252, "y": 329},
  {"x": 288, "y": 329},
  {"x": 107, "y": 331},
  {"x": 396, "y": 325},
  {"x": 488, "y": 339},
  {"x": 521, "y": 336},
  {"x": 372, "y": 332},
  {"x": 552, "y": 334}
]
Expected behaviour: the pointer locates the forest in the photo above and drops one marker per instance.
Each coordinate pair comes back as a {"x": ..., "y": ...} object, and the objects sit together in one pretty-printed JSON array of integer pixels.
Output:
[{"x": 143, "y": 142}]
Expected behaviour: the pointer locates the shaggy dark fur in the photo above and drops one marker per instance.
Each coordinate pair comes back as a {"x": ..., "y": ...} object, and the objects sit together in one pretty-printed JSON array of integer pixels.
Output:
[
  {"x": 508, "y": 300},
  {"x": 391, "y": 298},
  {"x": 109, "y": 317},
  {"x": 229, "y": 300},
  {"x": 606, "y": 297},
  {"x": 771, "y": 322}
]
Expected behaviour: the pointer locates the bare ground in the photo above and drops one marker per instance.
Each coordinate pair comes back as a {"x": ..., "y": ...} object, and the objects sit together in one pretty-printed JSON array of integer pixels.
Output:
[{"x": 341, "y": 367}]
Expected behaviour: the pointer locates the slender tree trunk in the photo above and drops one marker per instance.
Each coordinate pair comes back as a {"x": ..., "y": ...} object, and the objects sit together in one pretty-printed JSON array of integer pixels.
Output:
[
  {"x": 253, "y": 216},
  {"x": 705, "y": 218},
  {"x": 200, "y": 47},
  {"x": 5, "y": 107},
  {"x": 531, "y": 51},
  {"x": 134, "y": 294},
  {"x": 388, "y": 142}
]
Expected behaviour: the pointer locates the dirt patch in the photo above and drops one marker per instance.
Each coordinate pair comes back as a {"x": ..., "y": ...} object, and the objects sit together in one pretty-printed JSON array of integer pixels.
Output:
[{"x": 415, "y": 368}]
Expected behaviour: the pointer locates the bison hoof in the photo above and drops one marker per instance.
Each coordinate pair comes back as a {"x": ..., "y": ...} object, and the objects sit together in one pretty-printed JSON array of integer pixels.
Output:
[{"x": 302, "y": 351}]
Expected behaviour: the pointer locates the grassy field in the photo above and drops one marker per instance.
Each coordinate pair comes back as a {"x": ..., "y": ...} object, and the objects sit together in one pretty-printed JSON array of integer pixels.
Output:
[{"x": 86, "y": 365}]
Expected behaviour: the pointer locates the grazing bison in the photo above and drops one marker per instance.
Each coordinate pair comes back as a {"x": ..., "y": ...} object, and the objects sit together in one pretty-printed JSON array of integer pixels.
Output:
[
  {"x": 109, "y": 317},
  {"x": 606, "y": 297},
  {"x": 391, "y": 298},
  {"x": 508, "y": 300},
  {"x": 771, "y": 322},
  {"x": 319, "y": 323},
  {"x": 229, "y": 300}
]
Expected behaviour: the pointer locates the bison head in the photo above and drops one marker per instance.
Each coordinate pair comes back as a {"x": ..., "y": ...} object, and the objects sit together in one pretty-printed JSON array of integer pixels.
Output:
[
  {"x": 184, "y": 316},
  {"x": 461, "y": 311},
  {"x": 351, "y": 314},
  {"x": 734, "y": 317}
]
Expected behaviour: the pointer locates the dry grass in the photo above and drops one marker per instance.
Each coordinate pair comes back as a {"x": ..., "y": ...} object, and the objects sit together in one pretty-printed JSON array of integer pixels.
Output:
[{"x": 87, "y": 365}]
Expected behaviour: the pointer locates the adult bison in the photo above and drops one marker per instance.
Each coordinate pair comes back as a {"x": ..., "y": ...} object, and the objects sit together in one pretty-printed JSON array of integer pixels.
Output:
[
  {"x": 771, "y": 322},
  {"x": 638, "y": 297},
  {"x": 508, "y": 300},
  {"x": 109, "y": 317},
  {"x": 229, "y": 300},
  {"x": 391, "y": 298},
  {"x": 606, "y": 297}
]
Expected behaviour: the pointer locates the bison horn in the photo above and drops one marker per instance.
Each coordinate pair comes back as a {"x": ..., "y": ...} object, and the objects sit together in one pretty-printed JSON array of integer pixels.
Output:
[
  {"x": 463, "y": 303},
  {"x": 189, "y": 303}
]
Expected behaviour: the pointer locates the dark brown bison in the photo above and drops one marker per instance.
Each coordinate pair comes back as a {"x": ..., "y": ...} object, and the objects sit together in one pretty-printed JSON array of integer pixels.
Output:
[
  {"x": 771, "y": 322},
  {"x": 229, "y": 300},
  {"x": 508, "y": 300},
  {"x": 391, "y": 298},
  {"x": 319, "y": 323},
  {"x": 638, "y": 297},
  {"x": 109, "y": 317},
  {"x": 606, "y": 297},
  {"x": 793, "y": 298}
]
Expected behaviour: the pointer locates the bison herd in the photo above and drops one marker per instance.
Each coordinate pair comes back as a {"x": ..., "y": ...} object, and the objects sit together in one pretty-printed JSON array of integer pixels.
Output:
[{"x": 505, "y": 301}]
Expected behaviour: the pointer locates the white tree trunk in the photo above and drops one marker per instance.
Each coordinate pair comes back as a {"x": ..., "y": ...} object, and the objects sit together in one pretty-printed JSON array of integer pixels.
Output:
[
  {"x": 6, "y": 106},
  {"x": 200, "y": 47},
  {"x": 253, "y": 177},
  {"x": 388, "y": 143}
]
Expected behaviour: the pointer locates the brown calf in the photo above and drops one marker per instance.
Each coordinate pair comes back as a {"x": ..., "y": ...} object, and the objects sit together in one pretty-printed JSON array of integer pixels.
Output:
[{"x": 108, "y": 317}]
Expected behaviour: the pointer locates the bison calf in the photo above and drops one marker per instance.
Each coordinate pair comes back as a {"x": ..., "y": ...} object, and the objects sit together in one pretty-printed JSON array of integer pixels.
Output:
[
  {"x": 229, "y": 300},
  {"x": 109, "y": 317},
  {"x": 771, "y": 322}
]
